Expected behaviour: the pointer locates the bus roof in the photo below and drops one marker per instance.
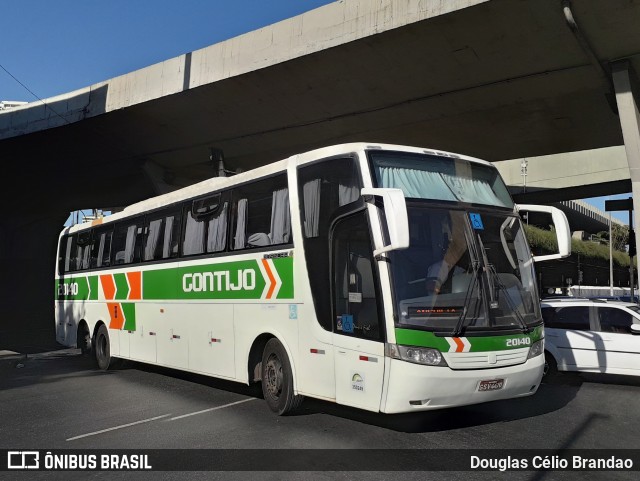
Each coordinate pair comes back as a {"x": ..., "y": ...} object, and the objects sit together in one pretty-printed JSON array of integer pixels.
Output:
[{"x": 217, "y": 183}]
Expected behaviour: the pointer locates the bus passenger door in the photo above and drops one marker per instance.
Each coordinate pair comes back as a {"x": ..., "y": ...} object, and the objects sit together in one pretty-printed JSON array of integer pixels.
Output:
[{"x": 358, "y": 331}]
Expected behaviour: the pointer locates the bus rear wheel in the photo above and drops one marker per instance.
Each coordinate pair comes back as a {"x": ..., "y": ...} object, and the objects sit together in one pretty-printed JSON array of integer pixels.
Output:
[
  {"x": 277, "y": 379},
  {"x": 84, "y": 339},
  {"x": 103, "y": 348}
]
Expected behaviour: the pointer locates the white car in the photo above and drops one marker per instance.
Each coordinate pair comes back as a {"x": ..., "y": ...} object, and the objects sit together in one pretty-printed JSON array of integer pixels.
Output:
[{"x": 591, "y": 335}]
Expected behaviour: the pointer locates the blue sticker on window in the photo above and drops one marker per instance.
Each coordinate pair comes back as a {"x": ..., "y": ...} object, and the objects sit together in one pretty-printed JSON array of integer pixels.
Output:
[
  {"x": 347, "y": 323},
  {"x": 476, "y": 221}
]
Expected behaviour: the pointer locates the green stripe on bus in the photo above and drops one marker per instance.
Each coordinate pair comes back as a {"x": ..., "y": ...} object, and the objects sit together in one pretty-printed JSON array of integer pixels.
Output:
[
  {"x": 79, "y": 288},
  {"x": 129, "y": 311},
  {"x": 227, "y": 280},
  {"x": 284, "y": 266},
  {"x": 122, "y": 286},
  {"x": 93, "y": 285},
  {"x": 413, "y": 337}
]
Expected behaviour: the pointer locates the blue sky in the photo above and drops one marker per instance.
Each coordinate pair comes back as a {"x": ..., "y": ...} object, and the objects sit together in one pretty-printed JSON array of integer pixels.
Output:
[
  {"x": 54, "y": 47},
  {"x": 599, "y": 203}
]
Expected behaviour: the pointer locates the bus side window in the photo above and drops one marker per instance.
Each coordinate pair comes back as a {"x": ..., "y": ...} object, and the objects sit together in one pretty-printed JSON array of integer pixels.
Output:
[
  {"x": 262, "y": 214},
  {"x": 67, "y": 254},
  {"x": 161, "y": 237},
  {"x": 355, "y": 296},
  {"x": 101, "y": 248},
  {"x": 84, "y": 250},
  {"x": 205, "y": 225},
  {"x": 326, "y": 187},
  {"x": 127, "y": 242}
]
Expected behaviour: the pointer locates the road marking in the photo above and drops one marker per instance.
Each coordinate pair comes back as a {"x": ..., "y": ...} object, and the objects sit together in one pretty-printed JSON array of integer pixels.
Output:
[
  {"x": 212, "y": 409},
  {"x": 118, "y": 427}
]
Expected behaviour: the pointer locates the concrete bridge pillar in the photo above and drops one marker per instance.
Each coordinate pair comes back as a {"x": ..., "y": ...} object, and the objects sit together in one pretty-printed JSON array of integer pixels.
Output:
[
  {"x": 627, "y": 92},
  {"x": 27, "y": 256}
]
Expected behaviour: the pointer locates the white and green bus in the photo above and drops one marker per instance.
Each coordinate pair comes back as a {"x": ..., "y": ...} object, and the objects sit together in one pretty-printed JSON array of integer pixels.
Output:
[{"x": 384, "y": 277}]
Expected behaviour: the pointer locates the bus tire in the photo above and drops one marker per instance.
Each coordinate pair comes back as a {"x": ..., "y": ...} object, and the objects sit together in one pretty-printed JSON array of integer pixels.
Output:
[
  {"x": 84, "y": 339},
  {"x": 550, "y": 365},
  {"x": 103, "y": 348},
  {"x": 277, "y": 379}
]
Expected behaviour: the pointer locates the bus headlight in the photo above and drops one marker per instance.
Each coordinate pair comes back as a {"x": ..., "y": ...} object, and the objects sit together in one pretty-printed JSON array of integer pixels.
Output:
[
  {"x": 417, "y": 355},
  {"x": 536, "y": 349}
]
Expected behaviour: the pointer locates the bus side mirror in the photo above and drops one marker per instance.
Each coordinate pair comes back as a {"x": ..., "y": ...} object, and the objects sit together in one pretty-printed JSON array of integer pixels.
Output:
[
  {"x": 635, "y": 329},
  {"x": 561, "y": 228},
  {"x": 395, "y": 213}
]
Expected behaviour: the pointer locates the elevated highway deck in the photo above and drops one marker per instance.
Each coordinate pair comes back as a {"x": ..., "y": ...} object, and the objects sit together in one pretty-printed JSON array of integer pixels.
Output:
[{"x": 496, "y": 79}]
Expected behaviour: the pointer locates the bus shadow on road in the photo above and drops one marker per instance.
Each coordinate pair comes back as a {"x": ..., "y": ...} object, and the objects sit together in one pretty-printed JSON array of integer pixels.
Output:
[
  {"x": 549, "y": 397},
  {"x": 254, "y": 390},
  {"x": 553, "y": 394}
]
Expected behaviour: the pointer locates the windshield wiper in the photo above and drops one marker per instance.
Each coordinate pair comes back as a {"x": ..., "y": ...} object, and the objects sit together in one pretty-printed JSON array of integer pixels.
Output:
[{"x": 465, "y": 307}]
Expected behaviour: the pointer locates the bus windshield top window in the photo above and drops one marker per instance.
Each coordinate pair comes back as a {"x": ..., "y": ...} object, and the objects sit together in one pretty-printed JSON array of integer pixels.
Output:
[{"x": 437, "y": 178}]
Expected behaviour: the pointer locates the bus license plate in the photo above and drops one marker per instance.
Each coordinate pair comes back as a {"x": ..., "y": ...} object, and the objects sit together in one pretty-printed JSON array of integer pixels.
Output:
[{"x": 491, "y": 385}]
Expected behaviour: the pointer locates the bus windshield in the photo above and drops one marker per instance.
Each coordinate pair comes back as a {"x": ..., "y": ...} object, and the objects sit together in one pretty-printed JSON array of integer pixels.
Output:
[
  {"x": 422, "y": 176},
  {"x": 464, "y": 270}
]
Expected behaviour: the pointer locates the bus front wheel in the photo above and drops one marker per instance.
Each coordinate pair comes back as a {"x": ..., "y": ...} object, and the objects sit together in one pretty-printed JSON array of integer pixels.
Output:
[
  {"x": 550, "y": 365},
  {"x": 103, "y": 348},
  {"x": 277, "y": 379}
]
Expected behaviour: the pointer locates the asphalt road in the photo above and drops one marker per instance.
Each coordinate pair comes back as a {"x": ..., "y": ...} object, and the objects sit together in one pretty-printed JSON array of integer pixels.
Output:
[{"x": 60, "y": 400}]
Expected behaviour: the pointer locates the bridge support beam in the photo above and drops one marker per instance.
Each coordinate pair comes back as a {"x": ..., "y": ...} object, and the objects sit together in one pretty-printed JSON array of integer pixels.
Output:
[{"x": 625, "y": 82}]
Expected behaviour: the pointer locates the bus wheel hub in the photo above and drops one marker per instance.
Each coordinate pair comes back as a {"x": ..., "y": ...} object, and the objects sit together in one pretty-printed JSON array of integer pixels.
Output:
[{"x": 274, "y": 376}]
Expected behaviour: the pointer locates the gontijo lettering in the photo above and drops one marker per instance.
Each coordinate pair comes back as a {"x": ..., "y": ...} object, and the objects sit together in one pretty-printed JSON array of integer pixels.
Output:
[{"x": 242, "y": 280}]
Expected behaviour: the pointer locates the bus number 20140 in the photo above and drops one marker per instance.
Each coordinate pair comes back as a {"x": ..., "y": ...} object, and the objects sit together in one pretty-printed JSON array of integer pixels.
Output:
[{"x": 70, "y": 289}]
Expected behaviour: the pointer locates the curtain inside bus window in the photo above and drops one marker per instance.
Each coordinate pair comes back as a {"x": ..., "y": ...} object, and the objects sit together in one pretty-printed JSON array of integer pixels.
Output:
[
  {"x": 415, "y": 183},
  {"x": 239, "y": 239},
  {"x": 86, "y": 256},
  {"x": 280, "y": 219},
  {"x": 311, "y": 198},
  {"x": 69, "y": 259},
  {"x": 130, "y": 244},
  {"x": 217, "y": 231},
  {"x": 100, "y": 255},
  {"x": 347, "y": 193},
  {"x": 78, "y": 257},
  {"x": 167, "y": 249},
  {"x": 471, "y": 190},
  {"x": 155, "y": 228},
  {"x": 422, "y": 176},
  {"x": 193, "y": 236}
]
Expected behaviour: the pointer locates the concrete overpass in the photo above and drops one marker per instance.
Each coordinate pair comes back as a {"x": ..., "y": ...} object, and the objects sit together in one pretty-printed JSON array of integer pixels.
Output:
[
  {"x": 557, "y": 179},
  {"x": 568, "y": 175},
  {"x": 498, "y": 79}
]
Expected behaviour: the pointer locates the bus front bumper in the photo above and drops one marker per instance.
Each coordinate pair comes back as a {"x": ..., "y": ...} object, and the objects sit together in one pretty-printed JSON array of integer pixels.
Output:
[{"x": 415, "y": 387}]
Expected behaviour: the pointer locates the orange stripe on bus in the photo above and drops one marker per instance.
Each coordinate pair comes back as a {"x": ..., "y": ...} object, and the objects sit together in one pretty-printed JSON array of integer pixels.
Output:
[
  {"x": 108, "y": 286},
  {"x": 116, "y": 314},
  {"x": 459, "y": 343},
  {"x": 135, "y": 285},
  {"x": 272, "y": 279}
]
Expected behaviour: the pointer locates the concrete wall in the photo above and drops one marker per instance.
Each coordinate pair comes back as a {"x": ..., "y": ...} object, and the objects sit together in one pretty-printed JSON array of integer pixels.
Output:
[{"x": 570, "y": 169}]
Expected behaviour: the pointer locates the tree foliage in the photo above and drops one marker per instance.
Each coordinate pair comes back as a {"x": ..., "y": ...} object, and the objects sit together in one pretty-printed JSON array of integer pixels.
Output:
[
  {"x": 619, "y": 235},
  {"x": 545, "y": 241}
]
